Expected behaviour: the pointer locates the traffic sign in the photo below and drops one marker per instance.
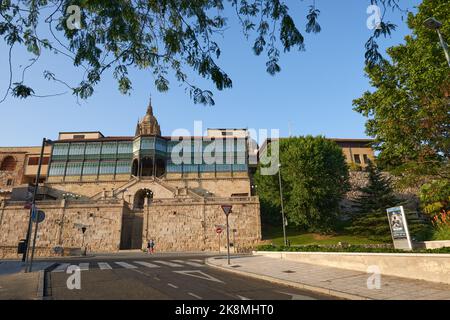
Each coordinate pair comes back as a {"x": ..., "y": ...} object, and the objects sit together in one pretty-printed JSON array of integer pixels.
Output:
[
  {"x": 226, "y": 208},
  {"x": 219, "y": 230},
  {"x": 38, "y": 215}
]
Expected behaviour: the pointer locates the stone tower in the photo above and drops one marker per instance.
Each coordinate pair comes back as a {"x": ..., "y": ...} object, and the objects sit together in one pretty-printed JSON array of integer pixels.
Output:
[{"x": 148, "y": 125}]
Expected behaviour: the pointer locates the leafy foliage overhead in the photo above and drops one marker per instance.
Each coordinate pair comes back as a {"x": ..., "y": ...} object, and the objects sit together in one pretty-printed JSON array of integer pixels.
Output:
[
  {"x": 409, "y": 110},
  {"x": 163, "y": 36}
]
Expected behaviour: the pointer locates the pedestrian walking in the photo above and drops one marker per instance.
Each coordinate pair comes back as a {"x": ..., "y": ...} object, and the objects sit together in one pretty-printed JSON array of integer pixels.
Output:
[
  {"x": 152, "y": 246},
  {"x": 148, "y": 246}
]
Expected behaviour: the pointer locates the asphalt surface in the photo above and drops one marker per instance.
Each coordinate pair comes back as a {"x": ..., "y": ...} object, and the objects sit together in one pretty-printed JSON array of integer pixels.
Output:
[{"x": 160, "y": 277}]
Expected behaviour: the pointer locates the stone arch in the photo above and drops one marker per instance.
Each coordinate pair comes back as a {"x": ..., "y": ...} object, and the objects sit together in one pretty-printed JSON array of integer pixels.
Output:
[
  {"x": 139, "y": 198},
  {"x": 8, "y": 164}
]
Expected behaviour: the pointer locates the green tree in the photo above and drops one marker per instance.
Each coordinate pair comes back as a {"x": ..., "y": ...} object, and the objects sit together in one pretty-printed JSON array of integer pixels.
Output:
[
  {"x": 408, "y": 112},
  {"x": 162, "y": 36},
  {"x": 314, "y": 179},
  {"x": 370, "y": 218}
]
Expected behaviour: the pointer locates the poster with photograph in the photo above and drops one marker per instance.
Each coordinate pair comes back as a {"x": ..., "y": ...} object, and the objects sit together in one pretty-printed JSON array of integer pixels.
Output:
[{"x": 399, "y": 228}]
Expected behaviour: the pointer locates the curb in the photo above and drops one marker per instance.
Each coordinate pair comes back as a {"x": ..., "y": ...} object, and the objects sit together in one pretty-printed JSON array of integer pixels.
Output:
[
  {"x": 40, "y": 294},
  {"x": 297, "y": 285}
]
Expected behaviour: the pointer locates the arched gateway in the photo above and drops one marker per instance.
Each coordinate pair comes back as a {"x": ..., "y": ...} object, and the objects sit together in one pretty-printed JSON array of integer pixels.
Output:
[{"x": 132, "y": 221}]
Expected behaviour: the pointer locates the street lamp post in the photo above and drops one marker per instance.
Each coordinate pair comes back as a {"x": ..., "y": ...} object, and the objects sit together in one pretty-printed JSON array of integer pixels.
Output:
[
  {"x": 33, "y": 204},
  {"x": 433, "y": 24},
  {"x": 282, "y": 206}
]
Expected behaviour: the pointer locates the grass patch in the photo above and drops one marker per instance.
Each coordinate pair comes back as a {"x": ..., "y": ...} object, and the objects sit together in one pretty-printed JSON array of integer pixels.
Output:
[
  {"x": 296, "y": 237},
  {"x": 350, "y": 248}
]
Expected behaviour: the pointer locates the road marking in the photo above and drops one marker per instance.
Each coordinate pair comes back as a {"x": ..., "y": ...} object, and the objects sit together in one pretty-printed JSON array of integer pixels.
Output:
[
  {"x": 199, "y": 274},
  {"x": 196, "y": 260},
  {"x": 194, "y": 295},
  {"x": 104, "y": 266},
  {"x": 84, "y": 266},
  {"x": 172, "y": 285},
  {"x": 243, "y": 298},
  {"x": 189, "y": 263},
  {"x": 297, "y": 296},
  {"x": 168, "y": 263},
  {"x": 61, "y": 268},
  {"x": 125, "y": 265},
  {"x": 146, "y": 264}
]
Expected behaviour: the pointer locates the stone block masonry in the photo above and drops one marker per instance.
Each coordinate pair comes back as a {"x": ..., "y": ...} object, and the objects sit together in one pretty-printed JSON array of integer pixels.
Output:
[
  {"x": 62, "y": 226},
  {"x": 176, "y": 224}
]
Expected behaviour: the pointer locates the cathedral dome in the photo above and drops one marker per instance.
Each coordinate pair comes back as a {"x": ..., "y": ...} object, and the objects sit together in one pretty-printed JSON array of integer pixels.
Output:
[{"x": 148, "y": 125}]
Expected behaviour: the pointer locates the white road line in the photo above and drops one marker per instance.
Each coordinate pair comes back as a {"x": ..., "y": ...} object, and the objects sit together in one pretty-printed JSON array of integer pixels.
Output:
[
  {"x": 61, "y": 268},
  {"x": 168, "y": 263},
  {"x": 194, "y": 295},
  {"x": 189, "y": 263},
  {"x": 172, "y": 285},
  {"x": 242, "y": 297},
  {"x": 84, "y": 266},
  {"x": 194, "y": 264},
  {"x": 126, "y": 265},
  {"x": 146, "y": 264},
  {"x": 104, "y": 266},
  {"x": 196, "y": 260}
]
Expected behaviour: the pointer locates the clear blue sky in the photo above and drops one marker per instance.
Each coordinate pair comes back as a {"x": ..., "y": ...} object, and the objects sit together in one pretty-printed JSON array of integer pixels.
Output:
[{"x": 314, "y": 91}]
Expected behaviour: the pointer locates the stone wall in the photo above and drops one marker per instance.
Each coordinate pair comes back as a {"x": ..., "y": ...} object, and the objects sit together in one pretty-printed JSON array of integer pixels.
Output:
[
  {"x": 359, "y": 179},
  {"x": 62, "y": 226},
  {"x": 176, "y": 224},
  {"x": 190, "y": 225}
]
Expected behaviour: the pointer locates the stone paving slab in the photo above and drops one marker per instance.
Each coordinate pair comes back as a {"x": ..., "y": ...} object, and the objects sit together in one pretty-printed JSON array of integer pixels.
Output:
[
  {"x": 342, "y": 283},
  {"x": 19, "y": 286}
]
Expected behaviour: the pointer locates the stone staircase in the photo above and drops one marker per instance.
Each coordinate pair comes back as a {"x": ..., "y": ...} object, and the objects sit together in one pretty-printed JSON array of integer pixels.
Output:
[{"x": 117, "y": 191}]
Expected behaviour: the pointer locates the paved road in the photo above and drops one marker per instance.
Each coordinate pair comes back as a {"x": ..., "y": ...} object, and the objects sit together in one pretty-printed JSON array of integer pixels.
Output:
[{"x": 162, "y": 277}]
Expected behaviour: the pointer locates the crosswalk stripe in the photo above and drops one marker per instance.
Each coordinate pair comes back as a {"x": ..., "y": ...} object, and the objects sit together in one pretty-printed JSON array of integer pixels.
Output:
[
  {"x": 61, "y": 268},
  {"x": 146, "y": 264},
  {"x": 194, "y": 295},
  {"x": 126, "y": 265},
  {"x": 196, "y": 260},
  {"x": 168, "y": 263},
  {"x": 194, "y": 264},
  {"x": 84, "y": 266},
  {"x": 189, "y": 263},
  {"x": 104, "y": 266}
]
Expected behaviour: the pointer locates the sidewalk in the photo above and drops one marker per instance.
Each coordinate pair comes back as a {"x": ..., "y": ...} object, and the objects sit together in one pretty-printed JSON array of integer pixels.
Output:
[
  {"x": 17, "y": 285},
  {"x": 341, "y": 283}
]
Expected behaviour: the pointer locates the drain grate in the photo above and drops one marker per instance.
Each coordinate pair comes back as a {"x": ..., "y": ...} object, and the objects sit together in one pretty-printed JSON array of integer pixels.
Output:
[{"x": 288, "y": 271}]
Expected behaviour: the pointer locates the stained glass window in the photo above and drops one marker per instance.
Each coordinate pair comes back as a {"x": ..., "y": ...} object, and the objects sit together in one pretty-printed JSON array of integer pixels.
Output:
[
  {"x": 90, "y": 168},
  {"x": 123, "y": 167},
  {"x": 76, "y": 149},
  {"x": 93, "y": 150},
  {"x": 74, "y": 168},
  {"x": 57, "y": 169},
  {"x": 223, "y": 167},
  {"x": 60, "y": 151},
  {"x": 107, "y": 167},
  {"x": 190, "y": 168},
  {"x": 109, "y": 150}
]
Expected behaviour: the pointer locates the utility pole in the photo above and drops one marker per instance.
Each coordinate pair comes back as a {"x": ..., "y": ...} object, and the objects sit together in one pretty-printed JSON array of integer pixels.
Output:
[
  {"x": 282, "y": 206},
  {"x": 33, "y": 204}
]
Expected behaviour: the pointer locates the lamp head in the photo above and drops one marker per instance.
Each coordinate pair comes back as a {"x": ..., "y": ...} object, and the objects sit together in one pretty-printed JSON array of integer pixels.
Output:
[{"x": 432, "y": 23}]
